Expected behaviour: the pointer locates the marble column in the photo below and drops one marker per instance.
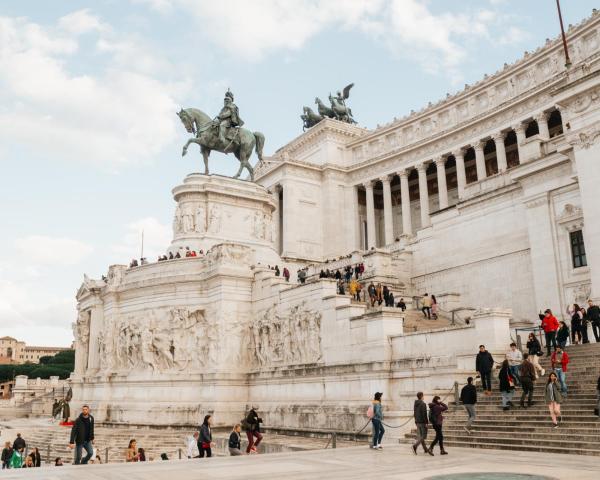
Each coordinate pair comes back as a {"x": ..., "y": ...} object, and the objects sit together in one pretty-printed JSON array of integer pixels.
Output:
[
  {"x": 387, "y": 210},
  {"x": 542, "y": 121},
  {"x": 371, "y": 235},
  {"x": 500, "y": 151},
  {"x": 406, "y": 215},
  {"x": 357, "y": 245},
  {"x": 520, "y": 132},
  {"x": 480, "y": 160},
  {"x": 423, "y": 194},
  {"x": 461, "y": 176},
  {"x": 441, "y": 178}
]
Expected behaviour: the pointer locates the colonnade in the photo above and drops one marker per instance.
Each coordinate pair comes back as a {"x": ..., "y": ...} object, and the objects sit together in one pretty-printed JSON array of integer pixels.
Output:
[{"x": 440, "y": 161}]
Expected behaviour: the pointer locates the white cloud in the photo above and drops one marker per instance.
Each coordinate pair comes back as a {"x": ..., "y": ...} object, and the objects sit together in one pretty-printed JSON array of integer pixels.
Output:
[
  {"x": 118, "y": 114},
  {"x": 45, "y": 250},
  {"x": 439, "y": 42},
  {"x": 157, "y": 237},
  {"x": 82, "y": 21}
]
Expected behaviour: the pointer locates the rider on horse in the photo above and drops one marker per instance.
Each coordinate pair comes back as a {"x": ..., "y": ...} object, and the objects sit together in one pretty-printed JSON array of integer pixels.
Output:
[{"x": 228, "y": 118}]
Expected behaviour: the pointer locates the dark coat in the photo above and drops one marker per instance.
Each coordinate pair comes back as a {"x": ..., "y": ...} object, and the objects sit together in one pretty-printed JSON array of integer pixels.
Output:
[
  {"x": 7, "y": 452},
  {"x": 421, "y": 412},
  {"x": 205, "y": 434},
  {"x": 78, "y": 432},
  {"x": 527, "y": 370},
  {"x": 437, "y": 410},
  {"x": 593, "y": 314},
  {"x": 37, "y": 459},
  {"x": 253, "y": 422},
  {"x": 534, "y": 347},
  {"x": 562, "y": 334},
  {"x": 235, "y": 440},
  {"x": 484, "y": 362},
  {"x": 468, "y": 395},
  {"x": 19, "y": 443},
  {"x": 504, "y": 377}
]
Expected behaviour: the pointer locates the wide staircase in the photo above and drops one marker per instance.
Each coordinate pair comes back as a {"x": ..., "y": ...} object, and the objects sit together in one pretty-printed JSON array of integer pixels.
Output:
[{"x": 530, "y": 429}]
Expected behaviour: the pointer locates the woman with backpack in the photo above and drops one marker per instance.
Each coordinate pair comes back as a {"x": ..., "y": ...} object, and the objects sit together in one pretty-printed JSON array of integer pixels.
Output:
[
  {"x": 376, "y": 419},
  {"x": 436, "y": 418},
  {"x": 507, "y": 385}
]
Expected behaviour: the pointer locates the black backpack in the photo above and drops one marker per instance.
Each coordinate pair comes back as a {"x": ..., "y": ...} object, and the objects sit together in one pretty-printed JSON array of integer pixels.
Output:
[{"x": 431, "y": 416}]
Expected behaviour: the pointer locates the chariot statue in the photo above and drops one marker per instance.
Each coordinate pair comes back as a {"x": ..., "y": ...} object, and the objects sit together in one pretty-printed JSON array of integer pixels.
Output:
[
  {"x": 337, "y": 109},
  {"x": 224, "y": 134}
]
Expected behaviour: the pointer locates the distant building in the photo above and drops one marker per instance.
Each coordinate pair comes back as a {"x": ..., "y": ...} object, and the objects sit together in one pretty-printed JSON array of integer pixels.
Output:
[{"x": 13, "y": 351}]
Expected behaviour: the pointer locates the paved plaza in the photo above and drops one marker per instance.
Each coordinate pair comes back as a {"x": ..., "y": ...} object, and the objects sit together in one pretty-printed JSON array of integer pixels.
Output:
[{"x": 348, "y": 463}]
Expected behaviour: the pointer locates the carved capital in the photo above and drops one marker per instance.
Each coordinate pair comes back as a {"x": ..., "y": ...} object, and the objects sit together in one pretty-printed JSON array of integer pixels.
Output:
[
  {"x": 459, "y": 153},
  {"x": 403, "y": 173},
  {"x": 368, "y": 184},
  {"x": 440, "y": 161},
  {"x": 541, "y": 117},
  {"x": 479, "y": 145},
  {"x": 422, "y": 167},
  {"x": 498, "y": 137},
  {"x": 518, "y": 128}
]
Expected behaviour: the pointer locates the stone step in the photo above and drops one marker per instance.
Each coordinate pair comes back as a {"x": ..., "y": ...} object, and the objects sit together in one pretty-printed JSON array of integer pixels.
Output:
[
  {"x": 548, "y": 432},
  {"x": 532, "y": 447}
]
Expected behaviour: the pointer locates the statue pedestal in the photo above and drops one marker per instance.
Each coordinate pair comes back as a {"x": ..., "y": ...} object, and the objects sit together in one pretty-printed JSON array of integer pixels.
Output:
[{"x": 212, "y": 209}]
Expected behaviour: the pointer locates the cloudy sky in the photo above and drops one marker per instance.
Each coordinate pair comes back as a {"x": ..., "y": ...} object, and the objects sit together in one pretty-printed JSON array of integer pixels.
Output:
[{"x": 90, "y": 144}]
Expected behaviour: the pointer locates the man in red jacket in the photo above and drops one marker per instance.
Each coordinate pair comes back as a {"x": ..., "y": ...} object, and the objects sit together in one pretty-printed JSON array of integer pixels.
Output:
[
  {"x": 560, "y": 360},
  {"x": 550, "y": 326}
]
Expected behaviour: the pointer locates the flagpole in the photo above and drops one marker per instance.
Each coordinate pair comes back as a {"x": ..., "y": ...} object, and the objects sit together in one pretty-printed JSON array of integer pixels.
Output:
[
  {"x": 564, "y": 38},
  {"x": 142, "y": 253}
]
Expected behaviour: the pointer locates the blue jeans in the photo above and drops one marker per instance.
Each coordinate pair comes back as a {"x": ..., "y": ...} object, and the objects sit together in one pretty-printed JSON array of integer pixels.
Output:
[
  {"x": 378, "y": 431},
  {"x": 514, "y": 371},
  {"x": 561, "y": 378},
  {"x": 507, "y": 397},
  {"x": 78, "y": 451}
]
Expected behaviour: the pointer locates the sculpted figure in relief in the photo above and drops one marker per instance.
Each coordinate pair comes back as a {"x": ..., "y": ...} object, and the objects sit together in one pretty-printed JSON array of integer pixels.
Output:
[
  {"x": 177, "y": 221},
  {"x": 291, "y": 339},
  {"x": 214, "y": 221},
  {"x": 200, "y": 219},
  {"x": 188, "y": 218}
]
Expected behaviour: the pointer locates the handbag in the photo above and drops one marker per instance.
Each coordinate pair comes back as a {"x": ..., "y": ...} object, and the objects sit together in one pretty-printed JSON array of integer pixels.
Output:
[{"x": 511, "y": 382}]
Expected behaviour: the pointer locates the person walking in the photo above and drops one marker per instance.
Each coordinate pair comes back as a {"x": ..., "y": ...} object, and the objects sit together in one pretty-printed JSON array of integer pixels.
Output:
[
  {"x": 528, "y": 376},
  {"x": 251, "y": 425},
  {"x": 468, "y": 396},
  {"x": 436, "y": 410},
  {"x": 484, "y": 363},
  {"x": 426, "y": 309},
  {"x": 191, "y": 445},
  {"x": 421, "y": 421},
  {"x": 535, "y": 351},
  {"x": 377, "y": 420},
  {"x": 434, "y": 307},
  {"x": 372, "y": 293},
  {"x": 352, "y": 287},
  {"x": 507, "y": 385},
  {"x": 515, "y": 358},
  {"x": 205, "y": 442},
  {"x": 550, "y": 326},
  {"x": 82, "y": 436},
  {"x": 19, "y": 443},
  {"x": 235, "y": 441},
  {"x": 553, "y": 398},
  {"x": 7, "y": 452},
  {"x": 562, "y": 334},
  {"x": 576, "y": 323},
  {"x": 593, "y": 313},
  {"x": 559, "y": 361}
]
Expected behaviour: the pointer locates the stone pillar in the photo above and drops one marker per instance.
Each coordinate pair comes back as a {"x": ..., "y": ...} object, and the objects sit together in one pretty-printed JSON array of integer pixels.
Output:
[
  {"x": 587, "y": 153},
  {"x": 500, "y": 152},
  {"x": 542, "y": 121},
  {"x": 423, "y": 194},
  {"x": 371, "y": 235},
  {"x": 461, "y": 176},
  {"x": 542, "y": 252},
  {"x": 358, "y": 229},
  {"x": 406, "y": 214},
  {"x": 480, "y": 160},
  {"x": 520, "y": 132},
  {"x": 442, "y": 186},
  {"x": 387, "y": 210}
]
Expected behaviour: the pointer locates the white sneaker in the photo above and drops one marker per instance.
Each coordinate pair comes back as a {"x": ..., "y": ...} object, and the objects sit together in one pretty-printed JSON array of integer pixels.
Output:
[
  {"x": 379, "y": 447},
  {"x": 374, "y": 447},
  {"x": 543, "y": 372}
]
